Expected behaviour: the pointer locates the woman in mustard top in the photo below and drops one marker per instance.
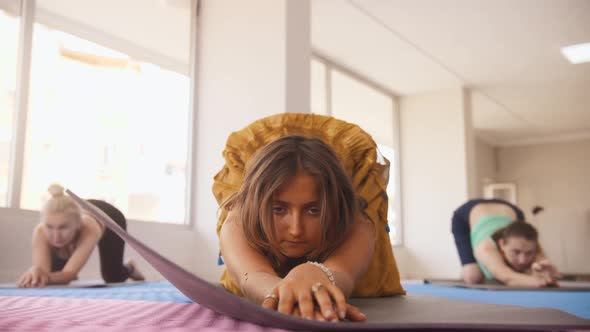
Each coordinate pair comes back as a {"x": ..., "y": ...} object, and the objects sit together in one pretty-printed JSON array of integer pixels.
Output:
[
  {"x": 295, "y": 239},
  {"x": 303, "y": 218}
]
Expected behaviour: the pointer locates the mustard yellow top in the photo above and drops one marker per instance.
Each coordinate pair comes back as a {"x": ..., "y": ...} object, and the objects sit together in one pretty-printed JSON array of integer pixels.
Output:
[{"x": 357, "y": 152}]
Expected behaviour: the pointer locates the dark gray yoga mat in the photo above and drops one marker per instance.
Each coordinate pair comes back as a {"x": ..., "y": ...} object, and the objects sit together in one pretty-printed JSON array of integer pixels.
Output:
[
  {"x": 387, "y": 313},
  {"x": 564, "y": 285}
]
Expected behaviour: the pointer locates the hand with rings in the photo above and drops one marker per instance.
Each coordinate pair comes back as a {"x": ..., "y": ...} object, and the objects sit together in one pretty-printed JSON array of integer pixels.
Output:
[
  {"x": 316, "y": 287},
  {"x": 306, "y": 292},
  {"x": 272, "y": 296}
]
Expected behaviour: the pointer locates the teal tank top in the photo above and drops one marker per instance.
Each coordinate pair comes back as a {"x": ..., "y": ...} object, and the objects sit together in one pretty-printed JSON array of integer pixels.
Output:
[{"x": 484, "y": 229}]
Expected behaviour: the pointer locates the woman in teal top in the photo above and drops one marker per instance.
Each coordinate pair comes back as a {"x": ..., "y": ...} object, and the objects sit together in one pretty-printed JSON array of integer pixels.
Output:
[
  {"x": 484, "y": 229},
  {"x": 510, "y": 253}
]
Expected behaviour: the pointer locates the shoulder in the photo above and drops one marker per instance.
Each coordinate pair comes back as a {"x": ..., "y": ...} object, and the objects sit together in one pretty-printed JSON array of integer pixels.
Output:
[
  {"x": 91, "y": 226},
  {"x": 39, "y": 232},
  {"x": 361, "y": 221},
  {"x": 486, "y": 245}
]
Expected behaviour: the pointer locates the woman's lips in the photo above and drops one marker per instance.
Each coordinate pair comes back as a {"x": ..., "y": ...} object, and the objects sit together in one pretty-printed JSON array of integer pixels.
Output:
[{"x": 295, "y": 243}]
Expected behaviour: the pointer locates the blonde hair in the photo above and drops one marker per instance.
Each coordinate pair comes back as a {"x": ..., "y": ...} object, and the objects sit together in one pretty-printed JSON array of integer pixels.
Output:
[
  {"x": 60, "y": 203},
  {"x": 271, "y": 167}
]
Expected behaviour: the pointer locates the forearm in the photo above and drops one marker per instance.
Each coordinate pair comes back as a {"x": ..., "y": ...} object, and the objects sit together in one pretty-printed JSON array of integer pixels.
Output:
[
  {"x": 508, "y": 278},
  {"x": 60, "y": 277},
  {"x": 351, "y": 259},
  {"x": 344, "y": 281},
  {"x": 256, "y": 285}
]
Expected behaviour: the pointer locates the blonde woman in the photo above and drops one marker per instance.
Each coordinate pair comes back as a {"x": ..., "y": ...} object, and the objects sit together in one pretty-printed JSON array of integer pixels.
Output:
[{"x": 65, "y": 238}]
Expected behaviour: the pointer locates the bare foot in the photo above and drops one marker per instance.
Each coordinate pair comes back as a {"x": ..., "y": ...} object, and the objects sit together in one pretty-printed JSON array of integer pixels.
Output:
[{"x": 134, "y": 272}]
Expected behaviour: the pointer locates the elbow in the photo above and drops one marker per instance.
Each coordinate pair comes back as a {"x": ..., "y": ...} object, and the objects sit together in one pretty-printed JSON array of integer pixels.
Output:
[
  {"x": 471, "y": 273},
  {"x": 473, "y": 279}
]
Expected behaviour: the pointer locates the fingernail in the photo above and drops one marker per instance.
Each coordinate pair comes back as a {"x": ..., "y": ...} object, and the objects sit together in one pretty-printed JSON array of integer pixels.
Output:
[
  {"x": 329, "y": 313},
  {"x": 309, "y": 317},
  {"x": 342, "y": 314},
  {"x": 335, "y": 320}
]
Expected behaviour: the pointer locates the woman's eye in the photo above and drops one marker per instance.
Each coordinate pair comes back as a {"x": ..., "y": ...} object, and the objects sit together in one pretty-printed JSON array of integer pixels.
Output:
[
  {"x": 278, "y": 209},
  {"x": 314, "y": 211}
]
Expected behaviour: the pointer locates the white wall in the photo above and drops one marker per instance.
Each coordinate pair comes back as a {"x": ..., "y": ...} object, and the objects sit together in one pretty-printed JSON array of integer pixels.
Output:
[
  {"x": 245, "y": 74},
  {"x": 486, "y": 165},
  {"x": 16, "y": 227},
  {"x": 253, "y": 61},
  {"x": 557, "y": 177},
  {"x": 434, "y": 155}
]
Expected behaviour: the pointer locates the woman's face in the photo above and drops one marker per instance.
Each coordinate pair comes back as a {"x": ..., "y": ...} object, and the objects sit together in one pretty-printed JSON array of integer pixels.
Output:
[
  {"x": 519, "y": 252},
  {"x": 60, "y": 229},
  {"x": 296, "y": 215}
]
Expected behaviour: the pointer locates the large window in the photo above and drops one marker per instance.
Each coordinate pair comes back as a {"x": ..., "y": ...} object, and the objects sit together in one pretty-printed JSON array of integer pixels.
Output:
[
  {"x": 339, "y": 93},
  {"x": 9, "y": 33},
  {"x": 109, "y": 106}
]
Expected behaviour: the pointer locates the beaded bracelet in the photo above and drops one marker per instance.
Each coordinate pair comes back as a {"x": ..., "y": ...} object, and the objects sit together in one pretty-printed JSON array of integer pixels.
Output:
[{"x": 326, "y": 270}]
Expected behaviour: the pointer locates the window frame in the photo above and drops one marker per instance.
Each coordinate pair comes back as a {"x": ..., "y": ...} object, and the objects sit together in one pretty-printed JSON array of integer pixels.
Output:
[
  {"x": 330, "y": 66},
  {"x": 26, "y": 10}
]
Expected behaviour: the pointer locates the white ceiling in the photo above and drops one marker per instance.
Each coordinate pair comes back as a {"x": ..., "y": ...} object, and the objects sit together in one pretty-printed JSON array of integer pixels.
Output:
[
  {"x": 156, "y": 31},
  {"x": 506, "y": 51}
]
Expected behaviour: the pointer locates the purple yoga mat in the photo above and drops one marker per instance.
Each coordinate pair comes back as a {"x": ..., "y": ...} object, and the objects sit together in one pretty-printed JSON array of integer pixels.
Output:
[{"x": 392, "y": 313}]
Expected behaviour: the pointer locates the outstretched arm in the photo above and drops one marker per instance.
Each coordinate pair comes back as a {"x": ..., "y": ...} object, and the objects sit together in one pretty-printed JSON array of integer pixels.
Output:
[
  {"x": 347, "y": 264},
  {"x": 251, "y": 270},
  {"x": 38, "y": 274},
  {"x": 352, "y": 258},
  {"x": 308, "y": 283},
  {"x": 256, "y": 278}
]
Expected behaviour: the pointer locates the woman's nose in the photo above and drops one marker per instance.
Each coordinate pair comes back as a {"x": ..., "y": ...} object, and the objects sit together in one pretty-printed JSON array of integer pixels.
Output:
[{"x": 295, "y": 225}]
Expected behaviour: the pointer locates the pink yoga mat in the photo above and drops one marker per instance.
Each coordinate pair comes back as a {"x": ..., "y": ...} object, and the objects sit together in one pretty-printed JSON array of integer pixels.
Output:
[
  {"x": 72, "y": 314},
  {"x": 394, "y": 313}
]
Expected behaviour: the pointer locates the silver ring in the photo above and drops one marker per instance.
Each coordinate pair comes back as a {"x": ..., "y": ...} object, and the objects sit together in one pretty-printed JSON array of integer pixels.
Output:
[
  {"x": 316, "y": 287},
  {"x": 272, "y": 296}
]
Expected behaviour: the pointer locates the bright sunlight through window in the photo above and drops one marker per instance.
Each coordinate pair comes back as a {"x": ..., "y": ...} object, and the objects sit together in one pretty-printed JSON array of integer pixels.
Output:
[{"x": 106, "y": 126}]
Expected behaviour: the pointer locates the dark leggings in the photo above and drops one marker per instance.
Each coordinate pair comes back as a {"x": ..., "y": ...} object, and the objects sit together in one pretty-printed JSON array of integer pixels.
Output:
[
  {"x": 461, "y": 230},
  {"x": 111, "y": 246}
]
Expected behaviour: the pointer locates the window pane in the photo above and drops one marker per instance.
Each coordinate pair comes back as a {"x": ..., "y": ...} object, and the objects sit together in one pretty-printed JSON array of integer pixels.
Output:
[
  {"x": 9, "y": 34},
  {"x": 392, "y": 214},
  {"x": 358, "y": 103},
  {"x": 102, "y": 122},
  {"x": 318, "y": 87}
]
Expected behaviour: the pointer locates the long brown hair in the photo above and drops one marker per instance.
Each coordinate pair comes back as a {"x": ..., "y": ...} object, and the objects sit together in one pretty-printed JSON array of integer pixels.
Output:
[
  {"x": 272, "y": 166},
  {"x": 518, "y": 228}
]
